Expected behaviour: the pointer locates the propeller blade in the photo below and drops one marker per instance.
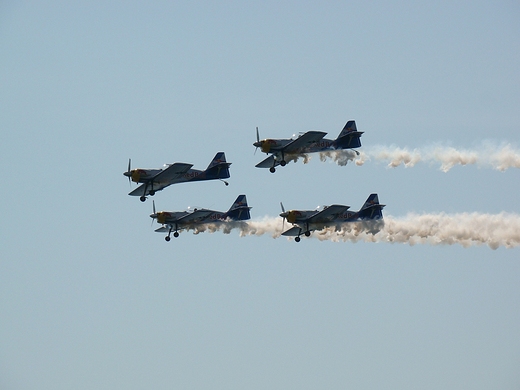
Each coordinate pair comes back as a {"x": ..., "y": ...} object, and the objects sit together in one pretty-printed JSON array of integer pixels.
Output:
[
  {"x": 257, "y": 139},
  {"x": 283, "y": 212},
  {"x": 154, "y": 212},
  {"x": 128, "y": 171}
]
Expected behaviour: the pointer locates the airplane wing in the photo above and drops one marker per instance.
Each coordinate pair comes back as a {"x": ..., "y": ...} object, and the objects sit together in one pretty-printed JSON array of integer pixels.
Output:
[
  {"x": 171, "y": 173},
  {"x": 268, "y": 162},
  {"x": 304, "y": 141},
  {"x": 196, "y": 217},
  {"x": 328, "y": 214},
  {"x": 293, "y": 232},
  {"x": 139, "y": 191},
  {"x": 163, "y": 179},
  {"x": 162, "y": 229}
]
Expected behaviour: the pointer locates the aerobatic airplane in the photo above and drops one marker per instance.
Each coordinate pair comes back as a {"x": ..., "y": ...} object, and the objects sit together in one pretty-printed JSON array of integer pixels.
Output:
[
  {"x": 305, "y": 221},
  {"x": 284, "y": 150},
  {"x": 157, "y": 179},
  {"x": 173, "y": 221}
]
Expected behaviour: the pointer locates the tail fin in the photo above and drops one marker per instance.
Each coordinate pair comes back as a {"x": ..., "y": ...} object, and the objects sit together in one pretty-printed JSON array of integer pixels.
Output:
[
  {"x": 220, "y": 158},
  {"x": 218, "y": 168},
  {"x": 371, "y": 208},
  {"x": 349, "y": 137},
  {"x": 239, "y": 210},
  {"x": 349, "y": 127}
]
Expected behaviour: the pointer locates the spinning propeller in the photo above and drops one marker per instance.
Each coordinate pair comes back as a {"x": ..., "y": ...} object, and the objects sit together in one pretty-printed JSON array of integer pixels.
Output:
[
  {"x": 132, "y": 174},
  {"x": 264, "y": 145},
  {"x": 290, "y": 215},
  {"x": 154, "y": 214},
  {"x": 159, "y": 216},
  {"x": 257, "y": 144},
  {"x": 283, "y": 215},
  {"x": 128, "y": 172}
]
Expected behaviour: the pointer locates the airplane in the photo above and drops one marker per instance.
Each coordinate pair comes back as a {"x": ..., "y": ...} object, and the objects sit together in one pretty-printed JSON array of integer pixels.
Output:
[
  {"x": 284, "y": 150},
  {"x": 157, "y": 179},
  {"x": 173, "y": 221},
  {"x": 305, "y": 221}
]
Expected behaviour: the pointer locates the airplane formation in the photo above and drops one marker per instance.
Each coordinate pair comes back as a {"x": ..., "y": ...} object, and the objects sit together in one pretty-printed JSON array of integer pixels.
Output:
[{"x": 280, "y": 152}]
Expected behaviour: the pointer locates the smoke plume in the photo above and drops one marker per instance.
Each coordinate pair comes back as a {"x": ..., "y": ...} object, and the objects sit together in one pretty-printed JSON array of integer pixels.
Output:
[
  {"x": 500, "y": 157},
  {"x": 465, "y": 229}
]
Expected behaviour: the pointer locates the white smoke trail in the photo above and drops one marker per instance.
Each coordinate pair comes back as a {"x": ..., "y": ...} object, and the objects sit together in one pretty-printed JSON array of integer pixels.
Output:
[
  {"x": 500, "y": 157},
  {"x": 466, "y": 229}
]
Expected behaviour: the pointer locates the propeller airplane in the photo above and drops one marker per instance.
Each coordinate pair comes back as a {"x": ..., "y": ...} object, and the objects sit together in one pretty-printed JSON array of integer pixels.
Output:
[
  {"x": 157, "y": 179},
  {"x": 305, "y": 221},
  {"x": 284, "y": 150},
  {"x": 173, "y": 221}
]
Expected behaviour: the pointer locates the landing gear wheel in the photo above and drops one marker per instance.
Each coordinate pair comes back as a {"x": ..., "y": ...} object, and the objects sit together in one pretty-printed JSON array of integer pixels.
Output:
[
  {"x": 297, "y": 239},
  {"x": 167, "y": 238},
  {"x": 307, "y": 234},
  {"x": 176, "y": 234},
  {"x": 142, "y": 198},
  {"x": 283, "y": 163},
  {"x": 152, "y": 193},
  {"x": 272, "y": 170}
]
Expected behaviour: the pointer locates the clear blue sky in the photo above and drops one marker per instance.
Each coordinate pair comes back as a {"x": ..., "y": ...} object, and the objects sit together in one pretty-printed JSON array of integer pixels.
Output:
[{"x": 91, "y": 297}]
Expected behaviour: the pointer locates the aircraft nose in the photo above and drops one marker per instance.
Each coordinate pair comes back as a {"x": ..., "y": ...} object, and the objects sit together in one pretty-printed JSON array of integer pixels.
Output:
[
  {"x": 257, "y": 144},
  {"x": 127, "y": 174},
  {"x": 154, "y": 216},
  {"x": 284, "y": 214}
]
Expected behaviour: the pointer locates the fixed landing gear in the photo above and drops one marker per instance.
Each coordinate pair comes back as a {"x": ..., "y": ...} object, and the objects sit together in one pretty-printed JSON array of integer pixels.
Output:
[
  {"x": 307, "y": 234},
  {"x": 175, "y": 234},
  {"x": 142, "y": 198},
  {"x": 272, "y": 170}
]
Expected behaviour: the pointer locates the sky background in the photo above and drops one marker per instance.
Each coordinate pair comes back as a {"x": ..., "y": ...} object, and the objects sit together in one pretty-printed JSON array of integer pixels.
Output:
[{"x": 91, "y": 297}]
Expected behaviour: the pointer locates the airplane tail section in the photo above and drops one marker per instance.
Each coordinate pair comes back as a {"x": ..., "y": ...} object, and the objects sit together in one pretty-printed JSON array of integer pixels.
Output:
[
  {"x": 372, "y": 209},
  {"x": 349, "y": 137},
  {"x": 218, "y": 168},
  {"x": 239, "y": 210}
]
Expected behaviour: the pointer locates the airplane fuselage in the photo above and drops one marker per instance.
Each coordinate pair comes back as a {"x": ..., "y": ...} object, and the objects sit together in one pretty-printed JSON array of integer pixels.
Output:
[{"x": 145, "y": 175}]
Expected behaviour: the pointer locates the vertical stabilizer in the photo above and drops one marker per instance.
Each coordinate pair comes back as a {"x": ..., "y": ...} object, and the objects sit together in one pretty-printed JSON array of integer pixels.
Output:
[
  {"x": 371, "y": 209},
  {"x": 239, "y": 210}
]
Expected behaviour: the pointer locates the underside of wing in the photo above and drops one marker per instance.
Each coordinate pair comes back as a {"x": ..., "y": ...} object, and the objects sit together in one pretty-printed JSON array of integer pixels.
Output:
[
  {"x": 162, "y": 229},
  {"x": 268, "y": 162},
  {"x": 328, "y": 214},
  {"x": 292, "y": 232},
  {"x": 139, "y": 191},
  {"x": 304, "y": 141}
]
